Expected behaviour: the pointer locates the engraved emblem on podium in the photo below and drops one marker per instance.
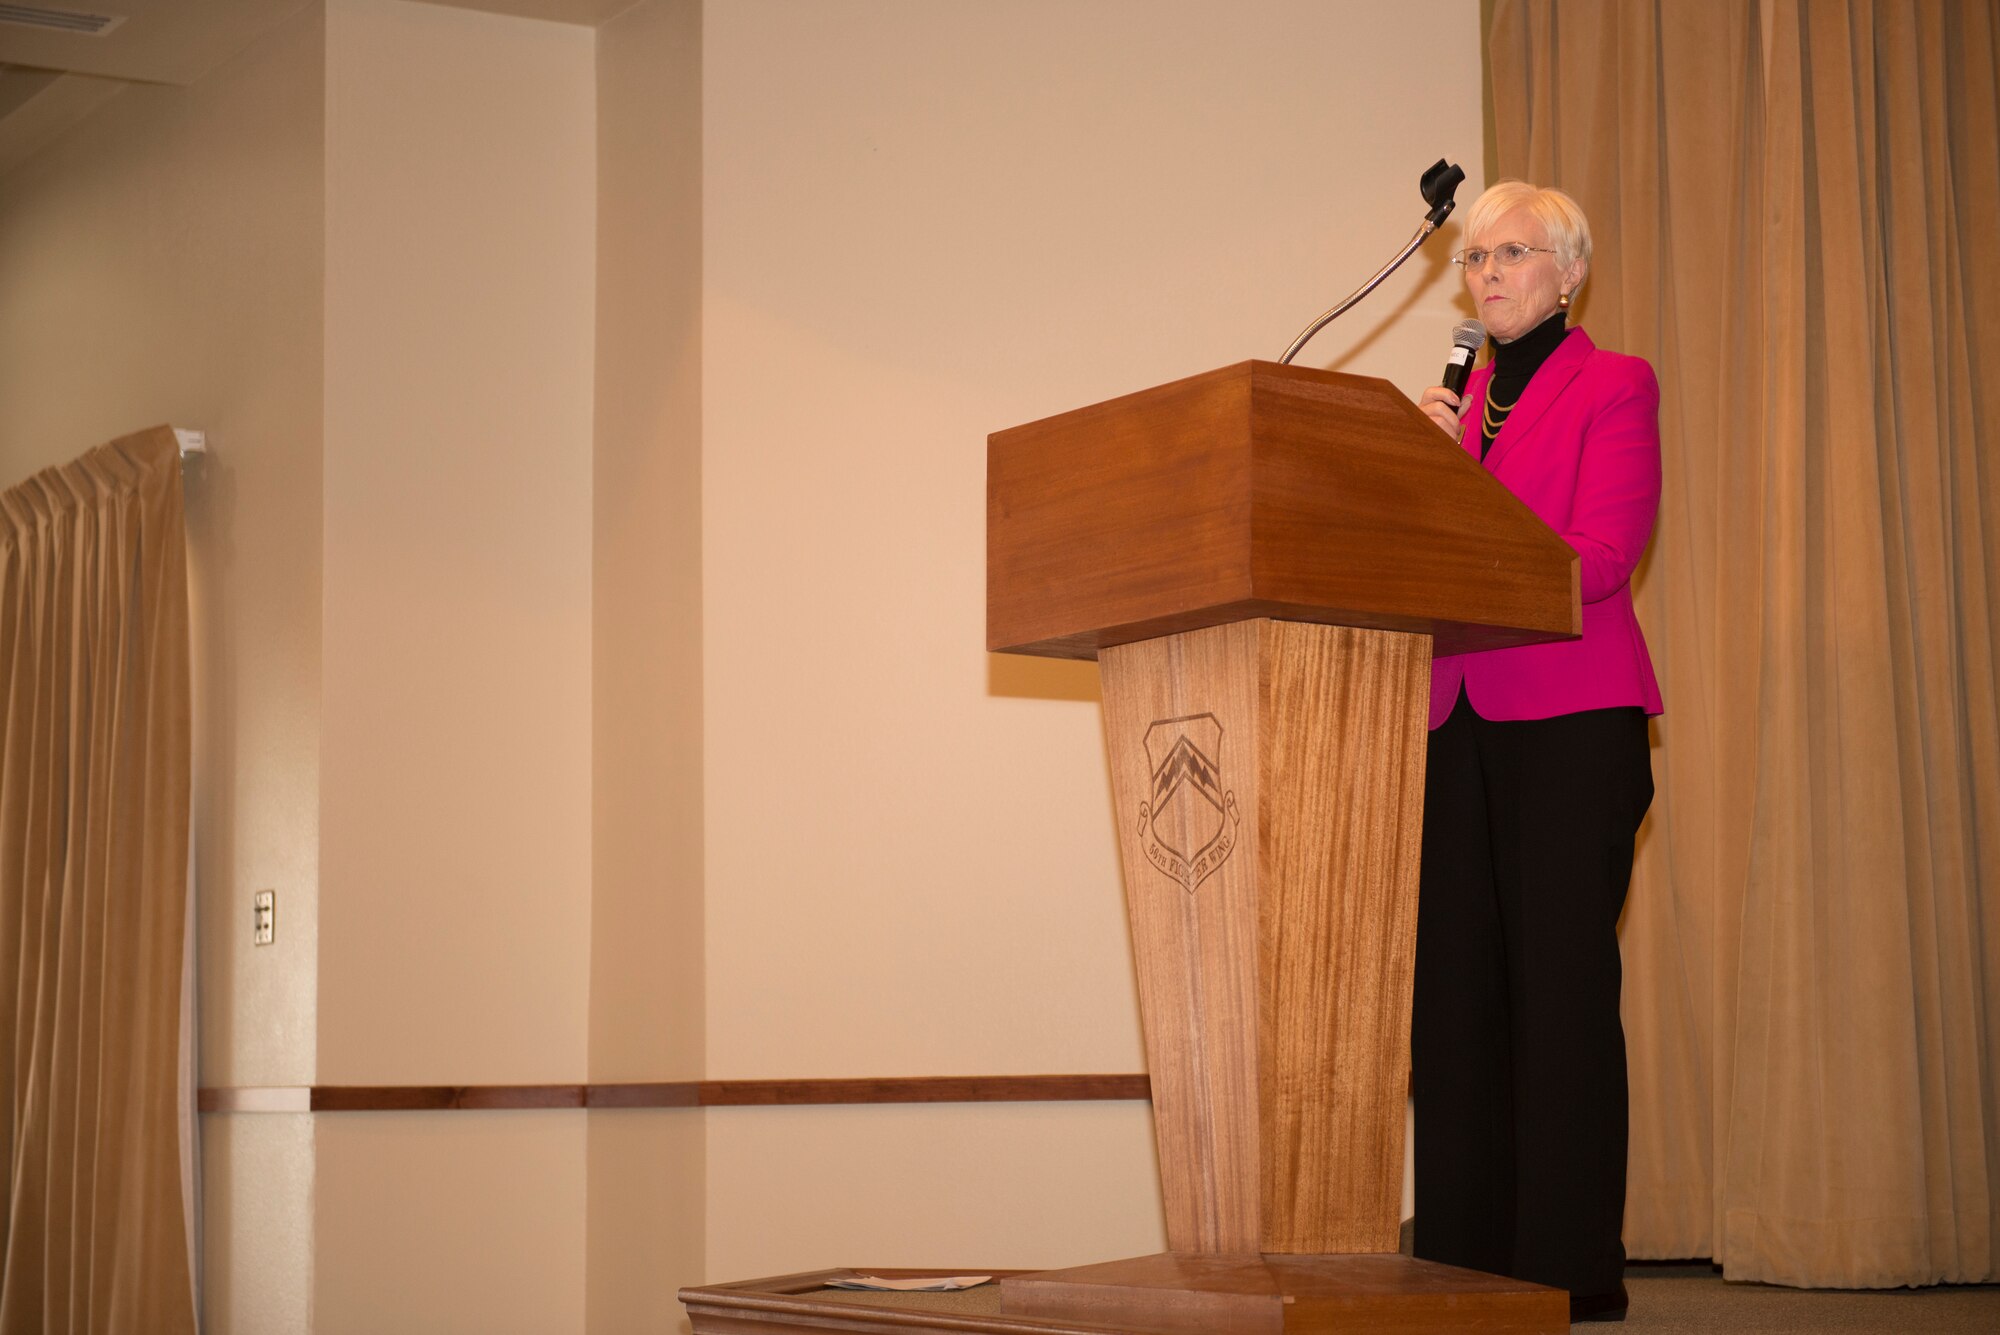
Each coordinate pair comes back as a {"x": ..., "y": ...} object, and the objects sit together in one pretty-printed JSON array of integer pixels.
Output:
[{"x": 1188, "y": 824}]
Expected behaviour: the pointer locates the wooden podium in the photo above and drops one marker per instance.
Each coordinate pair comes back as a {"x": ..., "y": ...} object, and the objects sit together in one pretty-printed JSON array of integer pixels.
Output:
[{"x": 1262, "y": 559}]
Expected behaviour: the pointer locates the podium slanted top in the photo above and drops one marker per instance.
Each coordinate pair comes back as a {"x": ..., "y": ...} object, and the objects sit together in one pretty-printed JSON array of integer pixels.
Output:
[{"x": 1259, "y": 490}]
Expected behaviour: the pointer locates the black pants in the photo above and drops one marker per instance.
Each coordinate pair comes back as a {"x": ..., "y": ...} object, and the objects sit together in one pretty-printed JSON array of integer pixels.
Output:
[{"x": 1518, "y": 1055}]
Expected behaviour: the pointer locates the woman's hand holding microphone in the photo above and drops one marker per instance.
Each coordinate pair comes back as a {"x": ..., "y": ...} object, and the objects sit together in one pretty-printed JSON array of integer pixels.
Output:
[{"x": 1442, "y": 406}]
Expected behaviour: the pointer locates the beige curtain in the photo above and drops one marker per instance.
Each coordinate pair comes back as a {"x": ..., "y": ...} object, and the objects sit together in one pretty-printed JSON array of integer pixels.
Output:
[
  {"x": 1797, "y": 213},
  {"x": 94, "y": 792}
]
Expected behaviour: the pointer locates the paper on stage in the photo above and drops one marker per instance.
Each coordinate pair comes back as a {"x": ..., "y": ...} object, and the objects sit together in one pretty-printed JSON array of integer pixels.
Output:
[{"x": 922, "y": 1284}]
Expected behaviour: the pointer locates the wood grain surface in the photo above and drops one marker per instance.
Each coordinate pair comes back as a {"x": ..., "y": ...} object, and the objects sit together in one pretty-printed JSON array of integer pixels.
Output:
[
  {"x": 1343, "y": 747},
  {"x": 1195, "y": 922},
  {"x": 1274, "y": 974},
  {"x": 677, "y": 1093},
  {"x": 1148, "y": 1295},
  {"x": 803, "y": 1305},
  {"x": 1277, "y": 1295},
  {"x": 1259, "y": 490}
]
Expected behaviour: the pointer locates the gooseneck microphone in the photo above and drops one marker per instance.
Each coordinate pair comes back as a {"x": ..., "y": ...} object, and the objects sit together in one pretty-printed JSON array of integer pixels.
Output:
[
  {"x": 1439, "y": 185},
  {"x": 1467, "y": 338}
]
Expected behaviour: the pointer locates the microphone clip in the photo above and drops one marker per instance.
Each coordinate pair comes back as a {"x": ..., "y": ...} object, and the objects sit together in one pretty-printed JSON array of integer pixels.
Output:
[{"x": 1439, "y": 185}]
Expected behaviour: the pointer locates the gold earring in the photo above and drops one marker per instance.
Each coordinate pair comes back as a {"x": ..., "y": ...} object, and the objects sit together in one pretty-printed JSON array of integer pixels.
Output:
[{"x": 1562, "y": 302}]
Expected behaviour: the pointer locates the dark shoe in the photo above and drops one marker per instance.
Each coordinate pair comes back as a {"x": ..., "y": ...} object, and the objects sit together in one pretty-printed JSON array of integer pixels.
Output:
[{"x": 1598, "y": 1306}]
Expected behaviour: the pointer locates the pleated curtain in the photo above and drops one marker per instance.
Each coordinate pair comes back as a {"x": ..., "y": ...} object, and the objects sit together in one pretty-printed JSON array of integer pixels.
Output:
[
  {"x": 94, "y": 794},
  {"x": 1796, "y": 207}
]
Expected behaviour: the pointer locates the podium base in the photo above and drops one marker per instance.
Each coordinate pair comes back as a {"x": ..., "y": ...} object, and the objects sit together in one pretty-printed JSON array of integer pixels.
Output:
[{"x": 1187, "y": 1292}]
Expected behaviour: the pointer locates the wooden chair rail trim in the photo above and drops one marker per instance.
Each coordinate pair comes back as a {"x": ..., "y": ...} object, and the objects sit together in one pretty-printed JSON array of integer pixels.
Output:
[{"x": 677, "y": 1093}]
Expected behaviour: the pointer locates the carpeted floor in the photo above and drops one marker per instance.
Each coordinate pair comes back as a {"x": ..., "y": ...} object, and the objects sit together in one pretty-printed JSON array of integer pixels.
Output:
[{"x": 1695, "y": 1300}]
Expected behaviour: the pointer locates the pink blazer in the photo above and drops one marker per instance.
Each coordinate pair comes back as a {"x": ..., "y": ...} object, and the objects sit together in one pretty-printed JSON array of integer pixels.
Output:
[{"x": 1582, "y": 450}]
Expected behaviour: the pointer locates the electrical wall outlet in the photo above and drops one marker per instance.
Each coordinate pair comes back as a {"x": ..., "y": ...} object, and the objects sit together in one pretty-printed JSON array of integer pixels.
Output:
[{"x": 265, "y": 930}]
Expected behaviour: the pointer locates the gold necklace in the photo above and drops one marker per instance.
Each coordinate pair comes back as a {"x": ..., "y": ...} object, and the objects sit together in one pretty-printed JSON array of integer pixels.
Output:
[{"x": 1492, "y": 423}]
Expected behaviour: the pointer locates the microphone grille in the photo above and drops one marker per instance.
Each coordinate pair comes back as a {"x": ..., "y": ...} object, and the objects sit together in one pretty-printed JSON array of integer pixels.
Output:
[{"x": 1469, "y": 334}]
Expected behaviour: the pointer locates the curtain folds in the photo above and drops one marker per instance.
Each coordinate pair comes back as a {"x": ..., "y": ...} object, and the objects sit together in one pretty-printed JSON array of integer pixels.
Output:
[
  {"x": 1794, "y": 207},
  {"x": 94, "y": 801}
]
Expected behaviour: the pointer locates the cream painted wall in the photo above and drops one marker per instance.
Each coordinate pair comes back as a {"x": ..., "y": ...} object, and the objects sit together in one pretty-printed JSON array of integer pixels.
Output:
[
  {"x": 963, "y": 1186},
  {"x": 646, "y": 745},
  {"x": 646, "y": 1222},
  {"x": 161, "y": 261},
  {"x": 456, "y": 788},
  {"x": 257, "y": 1202},
  {"x": 436, "y": 1224},
  {"x": 923, "y": 223},
  {"x": 646, "y": 1169},
  {"x": 455, "y": 795}
]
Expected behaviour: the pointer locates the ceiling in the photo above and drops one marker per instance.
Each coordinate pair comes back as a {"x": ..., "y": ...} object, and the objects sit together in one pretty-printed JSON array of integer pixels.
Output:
[
  {"x": 50, "y": 79},
  {"x": 588, "y": 12}
]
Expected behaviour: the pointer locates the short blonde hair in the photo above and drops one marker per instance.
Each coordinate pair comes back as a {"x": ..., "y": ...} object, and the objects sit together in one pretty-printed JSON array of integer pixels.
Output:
[{"x": 1569, "y": 230}]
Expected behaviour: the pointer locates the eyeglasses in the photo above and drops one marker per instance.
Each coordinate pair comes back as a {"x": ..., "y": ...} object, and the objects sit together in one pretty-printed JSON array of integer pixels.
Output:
[{"x": 1509, "y": 255}]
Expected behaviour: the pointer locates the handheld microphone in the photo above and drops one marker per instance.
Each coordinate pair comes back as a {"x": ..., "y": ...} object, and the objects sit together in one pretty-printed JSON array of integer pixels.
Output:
[{"x": 1467, "y": 338}]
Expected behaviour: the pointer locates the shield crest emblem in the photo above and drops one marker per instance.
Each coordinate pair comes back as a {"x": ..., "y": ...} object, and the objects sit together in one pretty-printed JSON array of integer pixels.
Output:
[{"x": 1187, "y": 825}]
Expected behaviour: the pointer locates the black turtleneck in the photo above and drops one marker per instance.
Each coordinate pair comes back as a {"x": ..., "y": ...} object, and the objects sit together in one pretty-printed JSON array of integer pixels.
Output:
[{"x": 1514, "y": 364}]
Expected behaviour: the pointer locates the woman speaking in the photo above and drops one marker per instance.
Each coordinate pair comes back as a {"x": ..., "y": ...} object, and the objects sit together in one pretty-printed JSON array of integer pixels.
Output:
[{"x": 1538, "y": 777}]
